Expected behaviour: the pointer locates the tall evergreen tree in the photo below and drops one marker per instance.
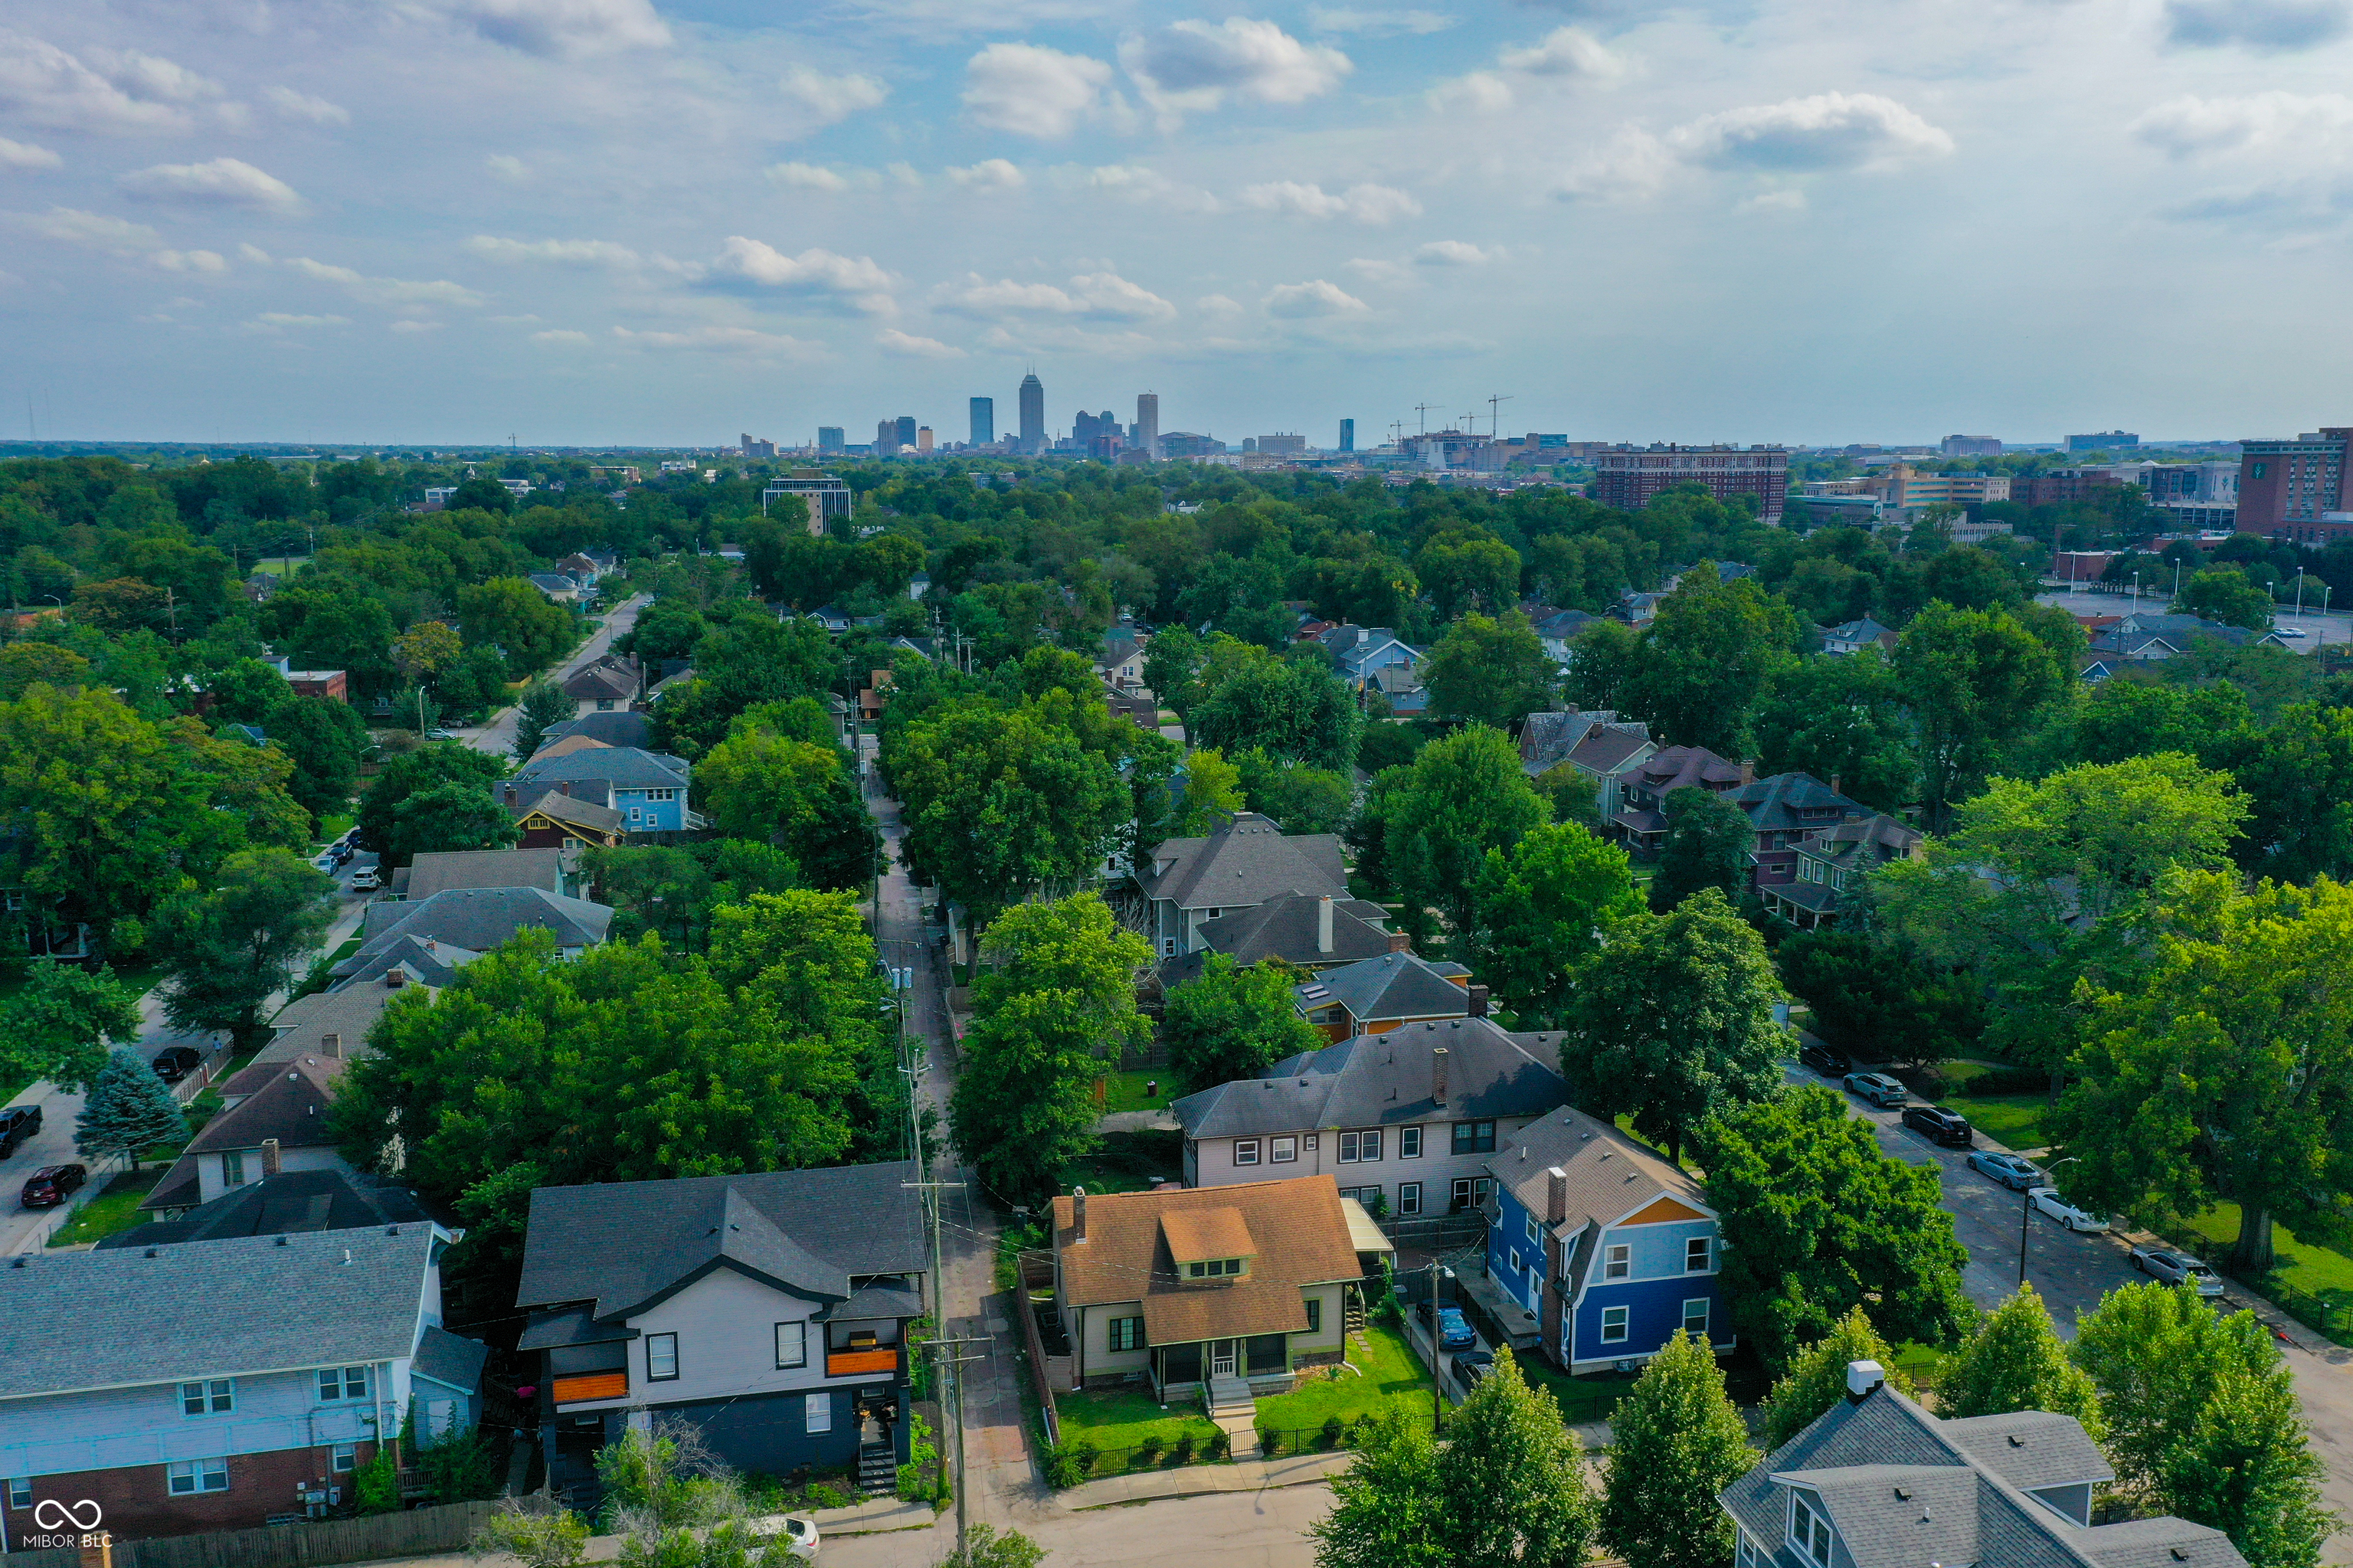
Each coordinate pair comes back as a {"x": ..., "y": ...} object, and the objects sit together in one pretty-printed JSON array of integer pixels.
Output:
[
  {"x": 544, "y": 707},
  {"x": 2015, "y": 1361},
  {"x": 1677, "y": 1440},
  {"x": 129, "y": 1109}
]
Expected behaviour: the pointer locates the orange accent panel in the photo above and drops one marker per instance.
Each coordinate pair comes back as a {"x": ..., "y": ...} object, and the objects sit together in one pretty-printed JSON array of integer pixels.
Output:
[
  {"x": 1662, "y": 1212},
  {"x": 850, "y": 1363},
  {"x": 593, "y": 1385}
]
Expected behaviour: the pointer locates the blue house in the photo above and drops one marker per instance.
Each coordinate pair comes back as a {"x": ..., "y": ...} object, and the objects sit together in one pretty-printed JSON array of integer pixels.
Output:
[
  {"x": 1607, "y": 1248},
  {"x": 648, "y": 789}
]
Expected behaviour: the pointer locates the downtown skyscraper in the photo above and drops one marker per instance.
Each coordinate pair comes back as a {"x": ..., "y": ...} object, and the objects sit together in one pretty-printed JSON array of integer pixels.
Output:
[
  {"x": 1033, "y": 413},
  {"x": 1147, "y": 423}
]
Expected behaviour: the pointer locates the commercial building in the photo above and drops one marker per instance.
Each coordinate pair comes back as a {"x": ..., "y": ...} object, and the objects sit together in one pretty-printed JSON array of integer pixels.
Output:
[
  {"x": 2103, "y": 441},
  {"x": 2284, "y": 483},
  {"x": 1348, "y": 435},
  {"x": 924, "y": 439},
  {"x": 1033, "y": 413},
  {"x": 1147, "y": 423},
  {"x": 752, "y": 448},
  {"x": 984, "y": 421},
  {"x": 886, "y": 438},
  {"x": 1904, "y": 488},
  {"x": 1184, "y": 444},
  {"x": 829, "y": 501},
  {"x": 1627, "y": 476},
  {"x": 1281, "y": 445},
  {"x": 2061, "y": 486},
  {"x": 828, "y": 437},
  {"x": 1971, "y": 445}
]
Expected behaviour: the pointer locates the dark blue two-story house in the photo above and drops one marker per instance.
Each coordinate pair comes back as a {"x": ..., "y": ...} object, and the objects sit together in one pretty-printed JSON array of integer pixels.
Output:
[{"x": 1608, "y": 1247}]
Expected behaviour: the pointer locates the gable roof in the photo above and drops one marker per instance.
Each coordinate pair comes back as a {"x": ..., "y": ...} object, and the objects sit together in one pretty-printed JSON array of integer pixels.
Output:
[
  {"x": 453, "y": 1362},
  {"x": 621, "y": 1245},
  {"x": 1674, "y": 766},
  {"x": 480, "y": 918},
  {"x": 289, "y": 1105},
  {"x": 1548, "y": 739},
  {"x": 1606, "y": 748},
  {"x": 617, "y": 729},
  {"x": 622, "y": 767},
  {"x": 439, "y": 871},
  {"x": 422, "y": 959},
  {"x": 572, "y": 811},
  {"x": 1609, "y": 1175},
  {"x": 1288, "y": 925},
  {"x": 309, "y": 1299},
  {"x": 566, "y": 745},
  {"x": 609, "y": 678},
  {"x": 1862, "y": 841},
  {"x": 348, "y": 1014},
  {"x": 554, "y": 583},
  {"x": 1296, "y": 1233},
  {"x": 1248, "y": 861},
  {"x": 1372, "y": 1080},
  {"x": 1786, "y": 802},
  {"x": 1859, "y": 631},
  {"x": 1385, "y": 988},
  {"x": 290, "y": 1202}
]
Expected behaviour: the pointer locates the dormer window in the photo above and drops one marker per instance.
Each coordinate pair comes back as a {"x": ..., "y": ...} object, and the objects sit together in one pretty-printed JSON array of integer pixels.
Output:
[
  {"x": 1215, "y": 1268},
  {"x": 1810, "y": 1532}
]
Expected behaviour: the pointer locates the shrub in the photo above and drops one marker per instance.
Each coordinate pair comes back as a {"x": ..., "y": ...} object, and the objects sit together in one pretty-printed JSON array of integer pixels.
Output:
[
  {"x": 1149, "y": 1450},
  {"x": 1067, "y": 1465},
  {"x": 379, "y": 1483},
  {"x": 1182, "y": 1454},
  {"x": 1331, "y": 1431},
  {"x": 823, "y": 1495},
  {"x": 1269, "y": 1441},
  {"x": 2009, "y": 1081},
  {"x": 1220, "y": 1446}
]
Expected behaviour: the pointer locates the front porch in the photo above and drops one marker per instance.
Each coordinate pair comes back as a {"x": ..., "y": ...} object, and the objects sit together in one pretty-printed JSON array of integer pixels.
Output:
[{"x": 1224, "y": 1370}]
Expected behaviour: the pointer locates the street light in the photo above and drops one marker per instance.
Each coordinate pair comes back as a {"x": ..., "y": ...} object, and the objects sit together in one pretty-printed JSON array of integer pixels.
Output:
[{"x": 2026, "y": 1212}]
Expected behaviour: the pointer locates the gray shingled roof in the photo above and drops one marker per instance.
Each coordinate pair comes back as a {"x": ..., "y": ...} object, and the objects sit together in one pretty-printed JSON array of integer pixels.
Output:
[
  {"x": 1287, "y": 927},
  {"x": 302, "y": 1024},
  {"x": 624, "y": 1244},
  {"x": 439, "y": 871},
  {"x": 612, "y": 729},
  {"x": 620, "y": 767},
  {"x": 478, "y": 919},
  {"x": 1384, "y": 987},
  {"x": 120, "y": 1317},
  {"x": 1246, "y": 861},
  {"x": 1788, "y": 802},
  {"x": 1609, "y": 1175},
  {"x": 594, "y": 815},
  {"x": 436, "y": 965},
  {"x": 1375, "y": 1079},
  {"x": 449, "y": 1361},
  {"x": 290, "y": 1202}
]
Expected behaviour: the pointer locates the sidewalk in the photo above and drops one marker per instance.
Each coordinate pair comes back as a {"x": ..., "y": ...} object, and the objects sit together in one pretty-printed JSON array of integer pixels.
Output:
[
  {"x": 874, "y": 1517},
  {"x": 1203, "y": 1480}
]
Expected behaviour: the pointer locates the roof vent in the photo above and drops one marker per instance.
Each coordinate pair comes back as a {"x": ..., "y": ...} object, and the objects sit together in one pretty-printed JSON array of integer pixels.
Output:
[
  {"x": 281, "y": 1241},
  {"x": 347, "y": 1255},
  {"x": 2016, "y": 1441},
  {"x": 392, "y": 1229},
  {"x": 2180, "y": 1555},
  {"x": 21, "y": 1261},
  {"x": 151, "y": 1252},
  {"x": 1904, "y": 1494},
  {"x": 1585, "y": 1137}
]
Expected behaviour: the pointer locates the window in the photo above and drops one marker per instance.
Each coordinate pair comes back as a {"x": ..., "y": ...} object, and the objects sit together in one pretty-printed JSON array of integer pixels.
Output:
[
  {"x": 1613, "y": 1325},
  {"x": 192, "y": 1476},
  {"x": 818, "y": 1413},
  {"x": 1617, "y": 1262},
  {"x": 633, "y": 813},
  {"x": 1515, "y": 1260},
  {"x": 1246, "y": 1151},
  {"x": 792, "y": 1344},
  {"x": 1460, "y": 1194},
  {"x": 1409, "y": 1144},
  {"x": 1216, "y": 1268},
  {"x": 1698, "y": 1254},
  {"x": 1282, "y": 1150},
  {"x": 1695, "y": 1317},
  {"x": 343, "y": 1383},
  {"x": 1530, "y": 1223},
  {"x": 233, "y": 1168},
  {"x": 661, "y": 794},
  {"x": 661, "y": 1358},
  {"x": 1474, "y": 1138},
  {"x": 1357, "y": 1146},
  {"x": 1126, "y": 1334},
  {"x": 1809, "y": 1532},
  {"x": 1410, "y": 1198},
  {"x": 346, "y": 1459},
  {"x": 216, "y": 1397},
  {"x": 1314, "y": 1314},
  {"x": 20, "y": 1491}
]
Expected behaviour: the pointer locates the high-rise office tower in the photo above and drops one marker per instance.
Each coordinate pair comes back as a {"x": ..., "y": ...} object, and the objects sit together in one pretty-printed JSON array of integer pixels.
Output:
[
  {"x": 886, "y": 438},
  {"x": 1147, "y": 422},
  {"x": 829, "y": 438},
  {"x": 1348, "y": 435},
  {"x": 906, "y": 430},
  {"x": 984, "y": 421},
  {"x": 1033, "y": 413},
  {"x": 924, "y": 438}
]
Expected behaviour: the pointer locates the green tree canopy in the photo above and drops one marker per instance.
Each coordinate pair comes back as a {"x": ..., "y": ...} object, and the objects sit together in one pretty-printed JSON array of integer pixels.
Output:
[
  {"x": 1386, "y": 1509},
  {"x": 56, "y": 1027},
  {"x": 226, "y": 951},
  {"x": 2224, "y": 594},
  {"x": 1815, "y": 1378},
  {"x": 1230, "y": 1022},
  {"x": 1291, "y": 709},
  {"x": 1875, "y": 996},
  {"x": 1490, "y": 671},
  {"x": 797, "y": 795},
  {"x": 1462, "y": 796},
  {"x": 1543, "y": 906},
  {"x": 543, "y": 707},
  {"x": 1707, "y": 843},
  {"x": 1705, "y": 658},
  {"x": 2015, "y": 1360},
  {"x": 1513, "y": 1479},
  {"x": 1974, "y": 680},
  {"x": 1676, "y": 1442},
  {"x": 1843, "y": 721},
  {"x": 129, "y": 1110},
  {"x": 512, "y": 614},
  {"x": 2157, "y": 1354}
]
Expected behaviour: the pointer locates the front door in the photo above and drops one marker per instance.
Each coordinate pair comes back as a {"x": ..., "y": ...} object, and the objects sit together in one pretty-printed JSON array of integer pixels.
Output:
[{"x": 1221, "y": 1357}]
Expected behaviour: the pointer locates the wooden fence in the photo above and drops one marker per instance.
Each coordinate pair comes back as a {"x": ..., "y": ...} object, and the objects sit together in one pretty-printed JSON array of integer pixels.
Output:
[{"x": 416, "y": 1534}]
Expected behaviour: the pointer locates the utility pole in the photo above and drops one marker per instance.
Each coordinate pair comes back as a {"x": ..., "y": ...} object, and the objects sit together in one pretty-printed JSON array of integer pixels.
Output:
[
  {"x": 946, "y": 1361},
  {"x": 1437, "y": 1360},
  {"x": 931, "y": 1191}
]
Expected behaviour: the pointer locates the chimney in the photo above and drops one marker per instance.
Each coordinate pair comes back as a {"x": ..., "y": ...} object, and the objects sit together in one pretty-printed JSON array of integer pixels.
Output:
[
  {"x": 1323, "y": 923},
  {"x": 511, "y": 801},
  {"x": 1834, "y": 784},
  {"x": 1400, "y": 942},
  {"x": 1437, "y": 1074},
  {"x": 394, "y": 978},
  {"x": 1556, "y": 1196},
  {"x": 1078, "y": 1214},
  {"x": 269, "y": 1157},
  {"x": 1478, "y": 1001},
  {"x": 1861, "y": 1377},
  {"x": 1747, "y": 771},
  {"x": 330, "y": 1046}
]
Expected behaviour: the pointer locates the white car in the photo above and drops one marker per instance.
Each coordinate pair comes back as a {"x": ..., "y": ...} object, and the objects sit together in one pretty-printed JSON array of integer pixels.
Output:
[
  {"x": 2167, "y": 1267},
  {"x": 2048, "y": 1200},
  {"x": 800, "y": 1537},
  {"x": 366, "y": 879}
]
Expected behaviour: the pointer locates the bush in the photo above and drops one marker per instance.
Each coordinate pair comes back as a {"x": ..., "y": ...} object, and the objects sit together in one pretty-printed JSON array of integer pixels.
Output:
[
  {"x": 1220, "y": 1446},
  {"x": 1269, "y": 1441},
  {"x": 1332, "y": 1431},
  {"x": 2007, "y": 1081},
  {"x": 377, "y": 1483},
  {"x": 1149, "y": 1450},
  {"x": 1182, "y": 1454},
  {"x": 1067, "y": 1465},
  {"x": 823, "y": 1495},
  {"x": 462, "y": 1467}
]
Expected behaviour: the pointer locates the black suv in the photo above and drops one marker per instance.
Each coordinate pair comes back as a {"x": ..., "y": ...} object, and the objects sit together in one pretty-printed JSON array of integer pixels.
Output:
[
  {"x": 1940, "y": 1125},
  {"x": 16, "y": 1124},
  {"x": 1830, "y": 1064},
  {"x": 174, "y": 1063}
]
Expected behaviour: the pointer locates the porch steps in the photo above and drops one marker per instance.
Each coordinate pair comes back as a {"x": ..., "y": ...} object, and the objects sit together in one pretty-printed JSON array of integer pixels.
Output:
[
  {"x": 1229, "y": 1396},
  {"x": 878, "y": 1469},
  {"x": 1353, "y": 1319}
]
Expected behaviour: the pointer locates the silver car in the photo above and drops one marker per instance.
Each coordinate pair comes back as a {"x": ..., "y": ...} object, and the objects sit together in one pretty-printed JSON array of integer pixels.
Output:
[
  {"x": 2167, "y": 1267},
  {"x": 2007, "y": 1169},
  {"x": 2048, "y": 1202},
  {"x": 1877, "y": 1087}
]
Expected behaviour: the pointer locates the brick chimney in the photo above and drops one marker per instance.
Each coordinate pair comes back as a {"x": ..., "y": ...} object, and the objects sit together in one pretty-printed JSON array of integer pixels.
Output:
[
  {"x": 1556, "y": 1195},
  {"x": 395, "y": 978},
  {"x": 1400, "y": 942},
  {"x": 330, "y": 1046},
  {"x": 1834, "y": 785},
  {"x": 269, "y": 1157},
  {"x": 1323, "y": 923},
  {"x": 1437, "y": 1074},
  {"x": 1747, "y": 771},
  {"x": 1078, "y": 1214},
  {"x": 1478, "y": 1001},
  {"x": 513, "y": 798}
]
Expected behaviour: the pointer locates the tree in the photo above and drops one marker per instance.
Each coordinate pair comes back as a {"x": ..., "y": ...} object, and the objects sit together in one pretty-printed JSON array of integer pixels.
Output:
[
  {"x": 1843, "y": 720},
  {"x": 656, "y": 888},
  {"x": 1213, "y": 791},
  {"x": 426, "y": 649},
  {"x": 512, "y": 614},
  {"x": 1301, "y": 800},
  {"x": 1387, "y": 1508},
  {"x": 759, "y": 785},
  {"x": 1673, "y": 1020},
  {"x": 55, "y": 1028},
  {"x": 1513, "y": 1483},
  {"x": 1492, "y": 671},
  {"x": 543, "y": 707},
  {"x": 1676, "y": 1440},
  {"x": 128, "y": 1111},
  {"x": 1828, "y": 1223},
  {"x": 247, "y": 692},
  {"x": 226, "y": 952},
  {"x": 1974, "y": 680},
  {"x": 1293, "y": 710},
  {"x": 1602, "y": 665},
  {"x": 1467, "y": 571},
  {"x": 477, "y": 492},
  {"x": 1171, "y": 661},
  {"x": 555, "y": 1538},
  {"x": 447, "y": 816},
  {"x": 1874, "y": 995},
  {"x": 1462, "y": 796},
  {"x": 325, "y": 739},
  {"x": 24, "y": 664},
  {"x": 1543, "y": 906},
  {"x": 2227, "y": 1074},
  {"x": 2015, "y": 1360},
  {"x": 1707, "y": 842},
  {"x": 2249, "y": 1471},
  {"x": 1231, "y": 1023},
  {"x": 1706, "y": 658},
  {"x": 411, "y": 773},
  {"x": 1816, "y": 1379},
  {"x": 2157, "y": 1354},
  {"x": 983, "y": 1547},
  {"x": 2224, "y": 594}
]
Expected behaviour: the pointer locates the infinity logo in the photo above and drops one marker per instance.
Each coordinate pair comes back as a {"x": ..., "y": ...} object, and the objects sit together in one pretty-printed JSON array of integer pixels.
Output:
[{"x": 51, "y": 1514}]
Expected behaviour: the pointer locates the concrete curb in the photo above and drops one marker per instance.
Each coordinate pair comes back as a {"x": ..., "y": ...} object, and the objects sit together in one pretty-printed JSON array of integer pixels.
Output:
[{"x": 1204, "y": 1480}]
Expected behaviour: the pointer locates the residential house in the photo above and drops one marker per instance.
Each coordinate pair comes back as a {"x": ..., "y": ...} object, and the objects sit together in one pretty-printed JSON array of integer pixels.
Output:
[
  {"x": 1228, "y": 1291},
  {"x": 831, "y": 617},
  {"x": 1120, "y": 661},
  {"x": 613, "y": 728},
  {"x": 1640, "y": 822},
  {"x": 609, "y": 686},
  {"x": 1548, "y": 740},
  {"x": 558, "y": 588},
  {"x": 554, "y": 870},
  {"x": 1400, "y": 687},
  {"x": 584, "y": 568},
  {"x": 333, "y": 683},
  {"x": 1878, "y": 1482},
  {"x": 1834, "y": 861},
  {"x": 400, "y": 961},
  {"x": 1375, "y": 995},
  {"x": 566, "y": 745},
  {"x": 226, "y": 1384},
  {"x": 1607, "y": 758},
  {"x": 919, "y": 585},
  {"x": 1361, "y": 650},
  {"x": 1242, "y": 864},
  {"x": 1603, "y": 1248},
  {"x": 1308, "y": 931},
  {"x": 769, "y": 1311},
  {"x": 650, "y": 788},
  {"x": 325, "y": 1023},
  {"x": 1782, "y": 810},
  {"x": 274, "y": 1120},
  {"x": 1636, "y": 609},
  {"x": 1405, "y": 1120},
  {"x": 555, "y": 819},
  {"x": 477, "y": 920},
  {"x": 293, "y": 1202},
  {"x": 1557, "y": 629},
  {"x": 1854, "y": 636}
]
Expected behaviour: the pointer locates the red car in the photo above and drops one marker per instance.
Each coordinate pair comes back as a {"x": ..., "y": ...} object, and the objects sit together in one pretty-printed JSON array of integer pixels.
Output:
[{"x": 52, "y": 1185}]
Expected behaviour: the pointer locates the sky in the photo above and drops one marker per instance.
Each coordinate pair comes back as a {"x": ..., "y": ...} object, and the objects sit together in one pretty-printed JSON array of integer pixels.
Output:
[{"x": 584, "y": 222}]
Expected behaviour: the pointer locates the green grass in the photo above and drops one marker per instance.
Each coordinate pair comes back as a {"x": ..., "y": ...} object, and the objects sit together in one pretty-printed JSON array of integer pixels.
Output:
[
  {"x": 332, "y": 828},
  {"x": 1390, "y": 1373},
  {"x": 1115, "y": 1418},
  {"x": 1125, "y": 1091},
  {"x": 2301, "y": 1264},
  {"x": 1128, "y": 1162},
  {"x": 115, "y": 1208},
  {"x": 1581, "y": 1399},
  {"x": 2015, "y": 1120}
]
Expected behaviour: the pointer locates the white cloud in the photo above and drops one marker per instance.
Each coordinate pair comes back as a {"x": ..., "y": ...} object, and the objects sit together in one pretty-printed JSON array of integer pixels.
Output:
[
  {"x": 1632, "y": 164},
  {"x": 565, "y": 30},
  {"x": 385, "y": 291},
  {"x": 1828, "y": 131},
  {"x": 2194, "y": 127},
  {"x": 1455, "y": 253},
  {"x": 1095, "y": 296},
  {"x": 1564, "y": 52},
  {"x": 907, "y": 345},
  {"x": 556, "y": 252},
  {"x": 990, "y": 174},
  {"x": 152, "y": 76},
  {"x": 1368, "y": 203},
  {"x": 560, "y": 335},
  {"x": 1315, "y": 297},
  {"x": 254, "y": 253},
  {"x": 854, "y": 281},
  {"x": 25, "y": 155},
  {"x": 508, "y": 167},
  {"x": 72, "y": 226},
  {"x": 1193, "y": 66},
  {"x": 190, "y": 261},
  {"x": 2266, "y": 25},
  {"x": 828, "y": 98},
  {"x": 806, "y": 177},
  {"x": 722, "y": 340},
  {"x": 44, "y": 85},
  {"x": 1348, "y": 19},
  {"x": 1787, "y": 199},
  {"x": 296, "y": 105},
  {"x": 279, "y": 321},
  {"x": 411, "y": 326},
  {"x": 1037, "y": 92},
  {"x": 1480, "y": 91},
  {"x": 220, "y": 182}
]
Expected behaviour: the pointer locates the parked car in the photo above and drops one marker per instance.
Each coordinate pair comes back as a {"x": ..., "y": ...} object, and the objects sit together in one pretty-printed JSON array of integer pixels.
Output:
[
  {"x": 439, "y": 734},
  {"x": 2167, "y": 1267},
  {"x": 800, "y": 1537},
  {"x": 174, "y": 1063},
  {"x": 1940, "y": 1125},
  {"x": 1877, "y": 1087},
  {"x": 325, "y": 861},
  {"x": 366, "y": 879},
  {"x": 2047, "y": 1199},
  {"x": 1471, "y": 1369},
  {"x": 16, "y": 1124},
  {"x": 2007, "y": 1169},
  {"x": 1830, "y": 1064},
  {"x": 52, "y": 1185},
  {"x": 1454, "y": 1328}
]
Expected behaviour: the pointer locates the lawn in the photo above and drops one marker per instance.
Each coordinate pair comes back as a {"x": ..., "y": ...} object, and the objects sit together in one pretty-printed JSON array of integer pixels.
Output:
[
  {"x": 2301, "y": 1265},
  {"x": 2014, "y": 1121},
  {"x": 335, "y": 827},
  {"x": 1116, "y": 1418},
  {"x": 115, "y": 1208},
  {"x": 1129, "y": 1163},
  {"x": 1388, "y": 1373},
  {"x": 1581, "y": 1399},
  {"x": 1125, "y": 1091}
]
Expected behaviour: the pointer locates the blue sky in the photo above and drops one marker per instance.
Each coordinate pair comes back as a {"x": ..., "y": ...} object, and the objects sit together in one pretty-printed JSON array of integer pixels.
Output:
[{"x": 586, "y": 221}]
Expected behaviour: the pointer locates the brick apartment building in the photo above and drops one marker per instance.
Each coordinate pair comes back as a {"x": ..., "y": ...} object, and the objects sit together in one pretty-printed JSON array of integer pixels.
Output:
[
  {"x": 2287, "y": 487},
  {"x": 1627, "y": 477}
]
